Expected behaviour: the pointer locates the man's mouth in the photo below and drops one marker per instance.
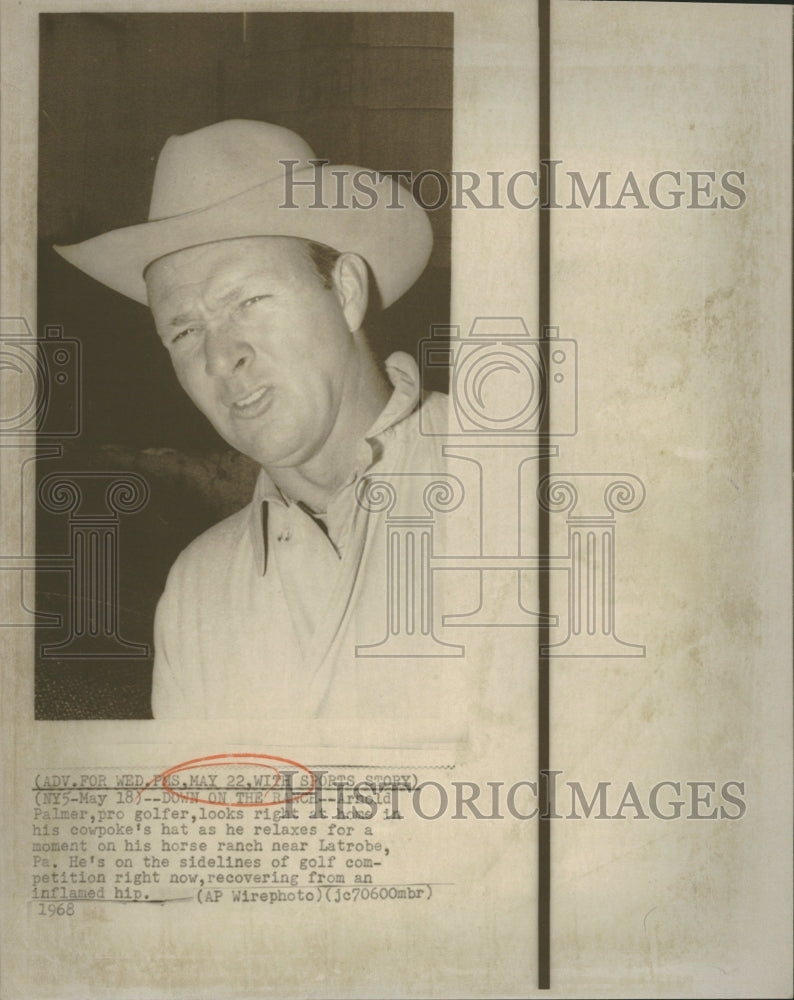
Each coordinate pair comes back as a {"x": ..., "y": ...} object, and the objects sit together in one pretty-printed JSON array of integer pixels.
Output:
[{"x": 254, "y": 403}]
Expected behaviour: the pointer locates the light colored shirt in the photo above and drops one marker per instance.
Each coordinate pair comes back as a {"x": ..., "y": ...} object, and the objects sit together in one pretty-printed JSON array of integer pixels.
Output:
[{"x": 265, "y": 623}]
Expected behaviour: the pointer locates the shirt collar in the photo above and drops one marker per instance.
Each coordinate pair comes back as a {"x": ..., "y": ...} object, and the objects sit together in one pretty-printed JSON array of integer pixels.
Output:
[{"x": 403, "y": 373}]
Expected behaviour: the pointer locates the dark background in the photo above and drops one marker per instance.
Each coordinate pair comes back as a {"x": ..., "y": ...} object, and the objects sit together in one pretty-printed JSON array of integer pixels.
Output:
[{"x": 369, "y": 89}]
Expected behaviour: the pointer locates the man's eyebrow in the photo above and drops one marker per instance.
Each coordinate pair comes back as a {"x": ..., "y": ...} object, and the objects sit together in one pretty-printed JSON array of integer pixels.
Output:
[
  {"x": 181, "y": 319},
  {"x": 234, "y": 293}
]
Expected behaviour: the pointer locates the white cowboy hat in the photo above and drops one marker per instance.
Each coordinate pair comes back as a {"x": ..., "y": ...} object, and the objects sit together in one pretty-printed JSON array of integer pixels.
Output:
[{"x": 227, "y": 181}]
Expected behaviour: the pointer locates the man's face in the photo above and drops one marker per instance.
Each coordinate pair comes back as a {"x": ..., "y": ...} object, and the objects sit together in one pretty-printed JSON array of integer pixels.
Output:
[{"x": 258, "y": 343}]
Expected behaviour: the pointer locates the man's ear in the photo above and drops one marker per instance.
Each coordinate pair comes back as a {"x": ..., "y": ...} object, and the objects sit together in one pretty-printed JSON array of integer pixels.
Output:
[{"x": 351, "y": 286}]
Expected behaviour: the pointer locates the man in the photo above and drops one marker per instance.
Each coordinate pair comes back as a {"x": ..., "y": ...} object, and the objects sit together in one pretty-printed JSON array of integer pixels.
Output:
[{"x": 257, "y": 262}]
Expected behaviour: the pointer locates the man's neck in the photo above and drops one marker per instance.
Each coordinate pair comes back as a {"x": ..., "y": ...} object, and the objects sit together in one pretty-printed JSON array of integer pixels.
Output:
[{"x": 317, "y": 481}]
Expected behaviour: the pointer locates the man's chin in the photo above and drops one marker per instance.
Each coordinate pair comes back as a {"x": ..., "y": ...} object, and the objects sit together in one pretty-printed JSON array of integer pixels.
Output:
[
  {"x": 272, "y": 459},
  {"x": 275, "y": 447}
]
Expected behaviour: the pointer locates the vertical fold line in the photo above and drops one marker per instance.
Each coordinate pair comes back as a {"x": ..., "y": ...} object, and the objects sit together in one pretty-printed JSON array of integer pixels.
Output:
[{"x": 544, "y": 638}]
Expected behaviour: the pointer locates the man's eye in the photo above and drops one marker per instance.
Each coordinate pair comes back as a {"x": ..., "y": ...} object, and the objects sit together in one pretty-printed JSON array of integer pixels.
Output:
[
  {"x": 253, "y": 300},
  {"x": 182, "y": 334}
]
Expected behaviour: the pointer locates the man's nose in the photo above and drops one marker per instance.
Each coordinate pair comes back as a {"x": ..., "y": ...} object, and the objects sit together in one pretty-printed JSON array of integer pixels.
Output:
[{"x": 226, "y": 350}]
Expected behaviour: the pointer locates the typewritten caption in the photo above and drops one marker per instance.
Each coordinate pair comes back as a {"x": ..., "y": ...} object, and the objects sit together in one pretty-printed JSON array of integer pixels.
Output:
[{"x": 219, "y": 834}]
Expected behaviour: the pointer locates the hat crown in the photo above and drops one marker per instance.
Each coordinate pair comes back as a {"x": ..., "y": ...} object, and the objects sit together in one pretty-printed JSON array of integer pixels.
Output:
[
  {"x": 214, "y": 163},
  {"x": 225, "y": 182}
]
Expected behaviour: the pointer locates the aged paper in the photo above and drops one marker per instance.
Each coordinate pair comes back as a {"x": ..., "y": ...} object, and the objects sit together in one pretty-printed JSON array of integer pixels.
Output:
[{"x": 566, "y": 767}]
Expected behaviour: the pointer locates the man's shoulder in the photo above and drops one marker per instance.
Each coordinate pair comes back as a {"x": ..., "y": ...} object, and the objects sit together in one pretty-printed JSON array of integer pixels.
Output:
[{"x": 214, "y": 544}]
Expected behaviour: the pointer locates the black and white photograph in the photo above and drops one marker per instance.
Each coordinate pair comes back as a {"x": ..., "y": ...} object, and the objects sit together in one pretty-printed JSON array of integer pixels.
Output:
[{"x": 239, "y": 144}]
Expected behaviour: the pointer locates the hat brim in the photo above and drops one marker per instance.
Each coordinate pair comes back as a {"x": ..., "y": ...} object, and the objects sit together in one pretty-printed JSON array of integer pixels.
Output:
[{"x": 356, "y": 211}]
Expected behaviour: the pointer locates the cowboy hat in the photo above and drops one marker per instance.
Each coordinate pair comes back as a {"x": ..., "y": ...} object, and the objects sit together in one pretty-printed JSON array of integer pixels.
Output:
[{"x": 242, "y": 178}]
